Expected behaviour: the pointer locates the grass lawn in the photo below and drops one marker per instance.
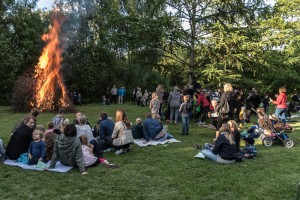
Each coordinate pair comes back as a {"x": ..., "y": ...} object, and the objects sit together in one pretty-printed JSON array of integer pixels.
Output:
[{"x": 157, "y": 172}]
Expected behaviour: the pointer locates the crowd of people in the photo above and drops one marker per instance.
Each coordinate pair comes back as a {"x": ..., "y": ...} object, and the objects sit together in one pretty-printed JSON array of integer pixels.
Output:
[{"x": 80, "y": 145}]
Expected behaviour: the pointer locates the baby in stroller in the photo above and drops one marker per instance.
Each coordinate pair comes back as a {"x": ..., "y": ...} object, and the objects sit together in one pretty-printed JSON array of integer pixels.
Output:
[{"x": 272, "y": 131}]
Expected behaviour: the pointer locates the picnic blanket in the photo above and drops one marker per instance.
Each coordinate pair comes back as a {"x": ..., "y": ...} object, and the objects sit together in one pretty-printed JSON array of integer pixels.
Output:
[
  {"x": 58, "y": 167},
  {"x": 153, "y": 142}
]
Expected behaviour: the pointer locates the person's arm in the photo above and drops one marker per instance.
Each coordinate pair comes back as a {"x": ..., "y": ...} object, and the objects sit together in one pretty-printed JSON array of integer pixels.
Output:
[
  {"x": 116, "y": 130},
  {"x": 102, "y": 131},
  {"x": 181, "y": 108},
  {"x": 43, "y": 147},
  {"x": 54, "y": 155},
  {"x": 30, "y": 151},
  {"x": 78, "y": 156},
  {"x": 218, "y": 145},
  {"x": 146, "y": 132}
]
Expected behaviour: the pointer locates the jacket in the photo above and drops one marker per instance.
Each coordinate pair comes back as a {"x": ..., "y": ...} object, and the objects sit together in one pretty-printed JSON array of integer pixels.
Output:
[
  {"x": 151, "y": 128},
  {"x": 121, "y": 134},
  {"x": 281, "y": 100},
  {"x": 19, "y": 142},
  {"x": 225, "y": 150},
  {"x": 106, "y": 128},
  {"x": 231, "y": 101},
  {"x": 68, "y": 151},
  {"x": 174, "y": 99},
  {"x": 201, "y": 99}
]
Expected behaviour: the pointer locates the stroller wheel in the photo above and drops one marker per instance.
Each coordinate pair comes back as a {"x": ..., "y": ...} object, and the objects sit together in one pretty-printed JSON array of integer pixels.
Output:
[
  {"x": 267, "y": 141},
  {"x": 288, "y": 143}
]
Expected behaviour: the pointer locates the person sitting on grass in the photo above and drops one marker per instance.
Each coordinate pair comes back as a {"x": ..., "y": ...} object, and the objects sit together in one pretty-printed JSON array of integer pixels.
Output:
[
  {"x": 122, "y": 134},
  {"x": 49, "y": 140},
  {"x": 89, "y": 160},
  {"x": 20, "y": 140},
  {"x": 37, "y": 148},
  {"x": 67, "y": 150},
  {"x": 225, "y": 149},
  {"x": 137, "y": 129}
]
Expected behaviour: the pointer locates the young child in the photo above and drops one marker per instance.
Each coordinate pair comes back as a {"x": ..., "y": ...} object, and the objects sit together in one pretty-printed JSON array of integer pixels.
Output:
[
  {"x": 37, "y": 148},
  {"x": 185, "y": 110},
  {"x": 137, "y": 130},
  {"x": 154, "y": 104},
  {"x": 242, "y": 117},
  {"x": 88, "y": 158},
  {"x": 49, "y": 140},
  {"x": 50, "y": 128},
  {"x": 212, "y": 114}
]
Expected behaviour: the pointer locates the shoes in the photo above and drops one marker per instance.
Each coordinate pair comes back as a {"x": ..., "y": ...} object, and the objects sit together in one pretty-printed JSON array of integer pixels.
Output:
[
  {"x": 200, "y": 155},
  {"x": 196, "y": 146},
  {"x": 200, "y": 123},
  {"x": 108, "y": 150},
  {"x": 170, "y": 122},
  {"x": 119, "y": 152}
]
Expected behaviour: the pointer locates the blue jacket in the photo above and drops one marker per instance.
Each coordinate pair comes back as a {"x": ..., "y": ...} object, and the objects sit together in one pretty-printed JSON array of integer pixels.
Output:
[
  {"x": 106, "y": 128},
  {"x": 151, "y": 128}
]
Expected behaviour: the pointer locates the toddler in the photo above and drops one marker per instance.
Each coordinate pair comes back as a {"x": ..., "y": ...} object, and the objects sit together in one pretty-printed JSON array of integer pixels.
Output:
[
  {"x": 242, "y": 117},
  {"x": 88, "y": 158},
  {"x": 37, "y": 148},
  {"x": 137, "y": 130},
  {"x": 212, "y": 114}
]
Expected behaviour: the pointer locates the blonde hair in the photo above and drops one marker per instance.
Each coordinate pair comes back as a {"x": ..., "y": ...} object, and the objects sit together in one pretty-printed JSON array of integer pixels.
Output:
[
  {"x": 121, "y": 116},
  {"x": 40, "y": 127},
  {"x": 282, "y": 90},
  {"x": 39, "y": 132},
  {"x": 138, "y": 121},
  {"x": 225, "y": 130},
  {"x": 160, "y": 88},
  {"x": 228, "y": 87},
  {"x": 154, "y": 95}
]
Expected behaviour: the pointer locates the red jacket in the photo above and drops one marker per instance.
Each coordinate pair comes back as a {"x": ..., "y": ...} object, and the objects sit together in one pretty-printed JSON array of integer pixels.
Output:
[
  {"x": 281, "y": 100},
  {"x": 201, "y": 99}
]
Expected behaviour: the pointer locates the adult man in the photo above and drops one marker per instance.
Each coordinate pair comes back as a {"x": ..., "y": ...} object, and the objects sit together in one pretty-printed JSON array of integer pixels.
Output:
[
  {"x": 114, "y": 94},
  {"x": 106, "y": 127},
  {"x": 151, "y": 127}
]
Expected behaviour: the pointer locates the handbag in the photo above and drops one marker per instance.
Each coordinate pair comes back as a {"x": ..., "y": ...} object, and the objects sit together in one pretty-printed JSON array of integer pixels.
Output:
[{"x": 225, "y": 109}]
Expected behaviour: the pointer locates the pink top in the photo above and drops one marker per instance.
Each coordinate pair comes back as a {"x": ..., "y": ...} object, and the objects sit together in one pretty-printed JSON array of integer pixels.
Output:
[
  {"x": 281, "y": 101},
  {"x": 88, "y": 157}
]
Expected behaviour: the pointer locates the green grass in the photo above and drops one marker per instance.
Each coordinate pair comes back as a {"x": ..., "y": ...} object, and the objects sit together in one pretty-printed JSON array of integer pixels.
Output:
[{"x": 157, "y": 172}]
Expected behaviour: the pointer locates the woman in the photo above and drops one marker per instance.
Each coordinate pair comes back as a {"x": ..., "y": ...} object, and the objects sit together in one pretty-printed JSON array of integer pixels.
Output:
[
  {"x": 67, "y": 149},
  {"x": 21, "y": 138},
  {"x": 281, "y": 105},
  {"x": 227, "y": 96},
  {"x": 225, "y": 149},
  {"x": 174, "y": 102},
  {"x": 122, "y": 135}
]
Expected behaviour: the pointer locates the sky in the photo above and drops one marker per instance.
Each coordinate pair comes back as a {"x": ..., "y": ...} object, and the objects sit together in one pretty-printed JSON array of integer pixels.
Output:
[
  {"x": 48, "y": 3},
  {"x": 45, "y": 4}
]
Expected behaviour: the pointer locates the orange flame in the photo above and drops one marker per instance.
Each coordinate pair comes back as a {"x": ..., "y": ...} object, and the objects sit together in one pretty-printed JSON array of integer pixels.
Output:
[{"x": 50, "y": 90}]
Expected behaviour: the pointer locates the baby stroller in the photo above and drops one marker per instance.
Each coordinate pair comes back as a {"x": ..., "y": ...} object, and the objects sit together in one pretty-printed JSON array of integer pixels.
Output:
[{"x": 276, "y": 131}]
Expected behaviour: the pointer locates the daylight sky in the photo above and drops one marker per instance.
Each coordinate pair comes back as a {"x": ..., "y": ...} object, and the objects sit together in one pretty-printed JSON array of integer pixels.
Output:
[{"x": 48, "y": 3}]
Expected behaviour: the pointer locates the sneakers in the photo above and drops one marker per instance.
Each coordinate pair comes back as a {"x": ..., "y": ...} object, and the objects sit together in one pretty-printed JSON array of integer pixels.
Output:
[
  {"x": 200, "y": 155},
  {"x": 108, "y": 150},
  {"x": 200, "y": 123},
  {"x": 119, "y": 152}
]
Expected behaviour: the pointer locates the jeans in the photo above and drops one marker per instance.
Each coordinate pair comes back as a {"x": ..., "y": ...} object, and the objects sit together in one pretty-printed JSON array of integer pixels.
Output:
[
  {"x": 165, "y": 137},
  {"x": 209, "y": 154},
  {"x": 185, "y": 125},
  {"x": 280, "y": 114},
  {"x": 1, "y": 148},
  {"x": 174, "y": 111}
]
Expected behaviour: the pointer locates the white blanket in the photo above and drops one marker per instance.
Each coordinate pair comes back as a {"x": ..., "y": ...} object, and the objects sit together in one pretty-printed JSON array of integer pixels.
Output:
[
  {"x": 152, "y": 142},
  {"x": 58, "y": 167}
]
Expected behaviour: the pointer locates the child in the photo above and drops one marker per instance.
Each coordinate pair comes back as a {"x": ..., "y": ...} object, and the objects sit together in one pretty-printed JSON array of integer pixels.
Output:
[
  {"x": 50, "y": 128},
  {"x": 103, "y": 100},
  {"x": 37, "y": 148},
  {"x": 49, "y": 140},
  {"x": 137, "y": 130},
  {"x": 154, "y": 104},
  {"x": 242, "y": 117},
  {"x": 185, "y": 109},
  {"x": 88, "y": 158},
  {"x": 212, "y": 114}
]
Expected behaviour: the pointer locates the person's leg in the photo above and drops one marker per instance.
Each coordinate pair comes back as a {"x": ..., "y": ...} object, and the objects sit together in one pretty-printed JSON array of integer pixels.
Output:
[
  {"x": 277, "y": 111},
  {"x": 176, "y": 110},
  {"x": 282, "y": 115},
  {"x": 1, "y": 148},
  {"x": 204, "y": 113},
  {"x": 187, "y": 129},
  {"x": 171, "y": 114},
  {"x": 209, "y": 154},
  {"x": 183, "y": 131}
]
